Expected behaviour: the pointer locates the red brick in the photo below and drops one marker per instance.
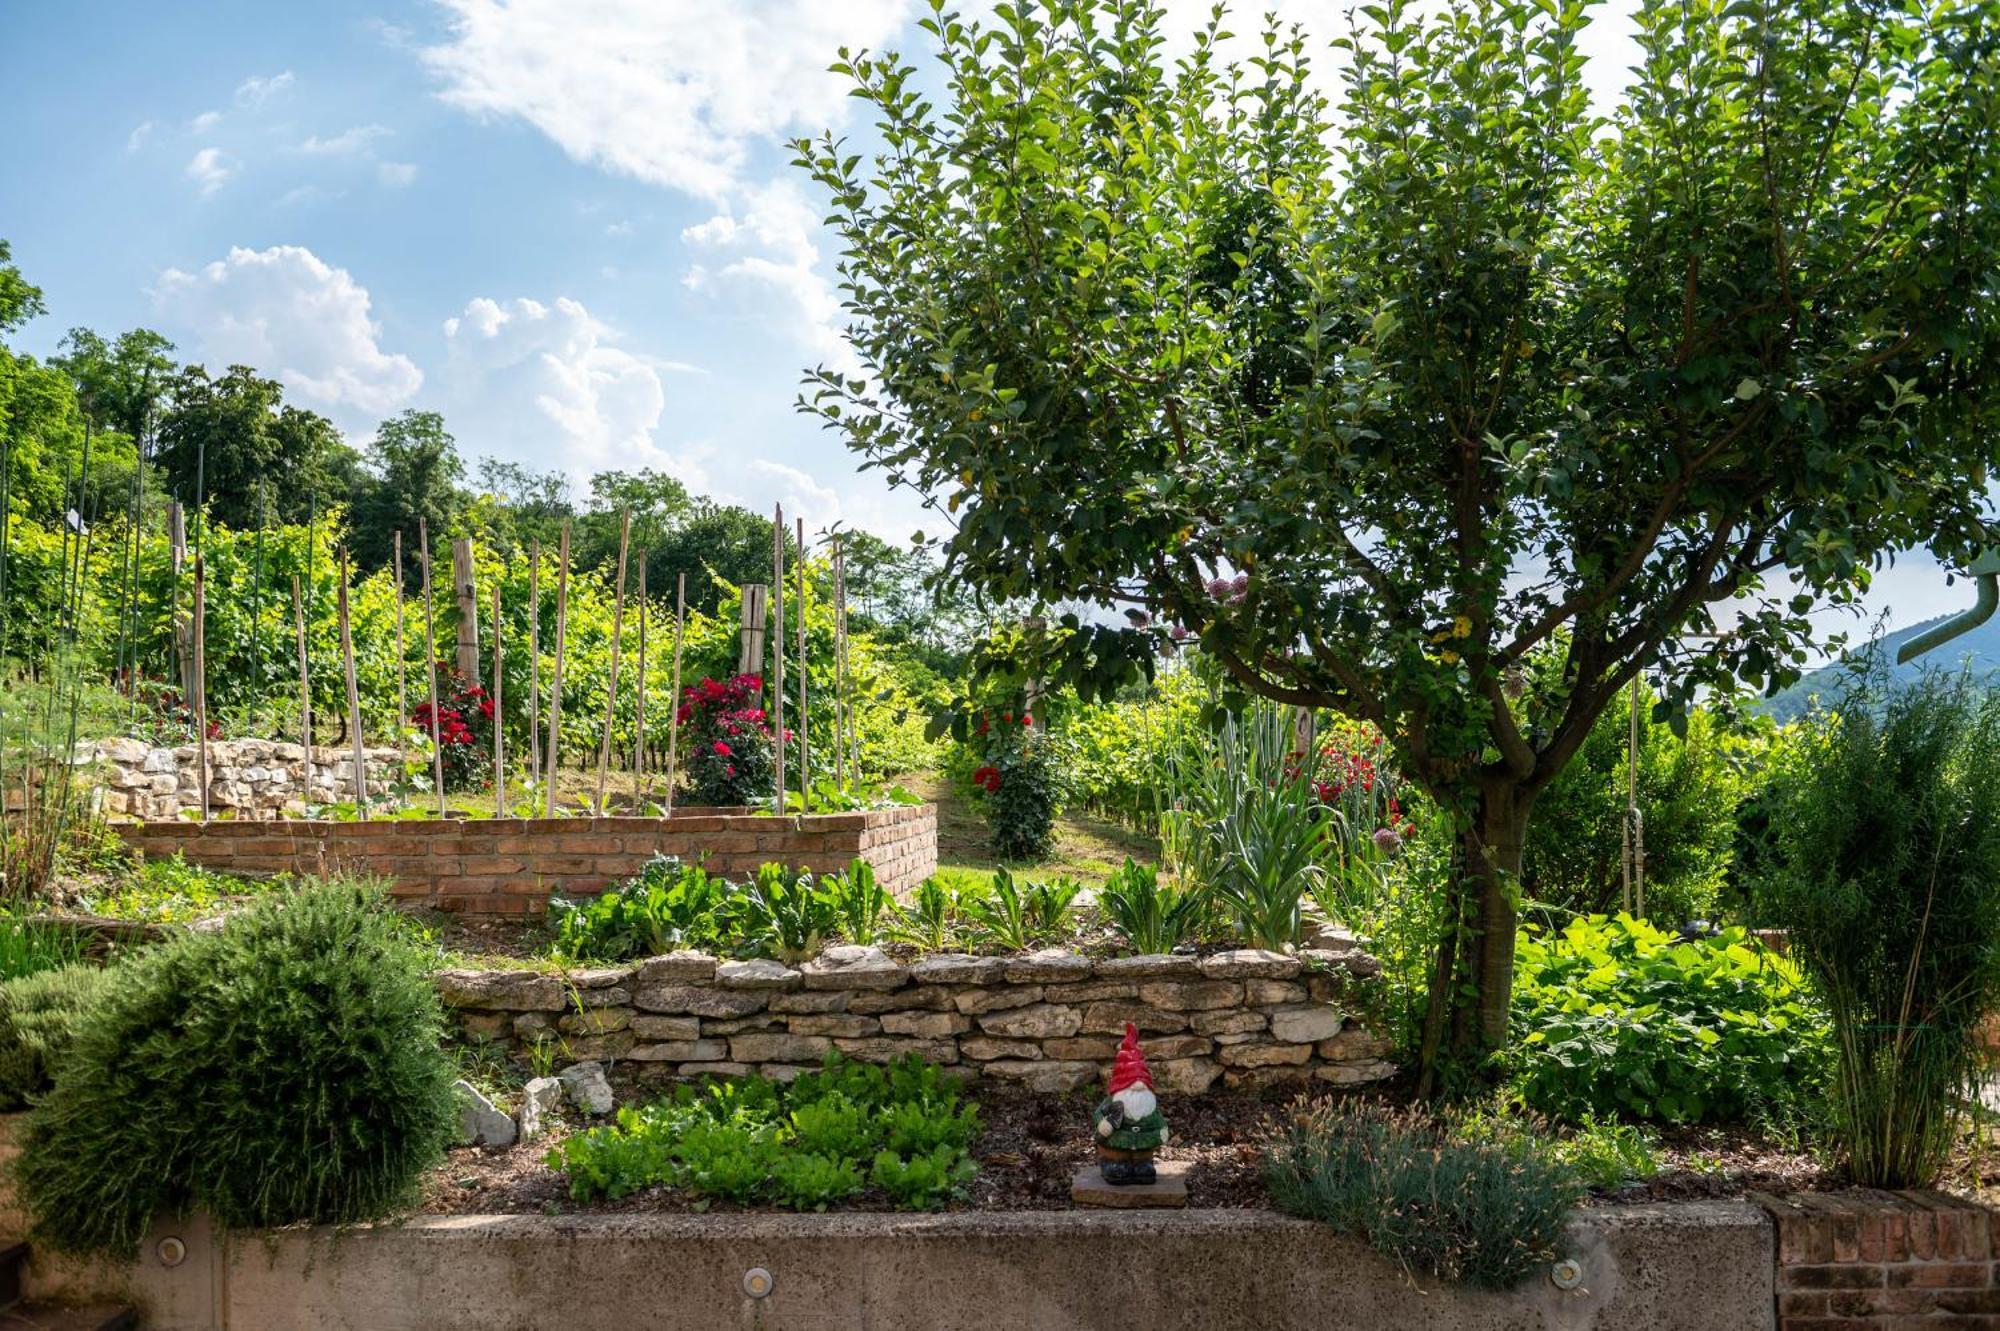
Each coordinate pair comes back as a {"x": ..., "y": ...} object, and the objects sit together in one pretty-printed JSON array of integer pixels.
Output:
[
  {"x": 1940, "y": 1275},
  {"x": 1836, "y": 1275},
  {"x": 1968, "y": 1301}
]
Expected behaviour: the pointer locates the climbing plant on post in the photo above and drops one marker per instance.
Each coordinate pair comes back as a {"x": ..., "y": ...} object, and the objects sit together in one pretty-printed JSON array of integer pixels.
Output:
[{"x": 1437, "y": 401}]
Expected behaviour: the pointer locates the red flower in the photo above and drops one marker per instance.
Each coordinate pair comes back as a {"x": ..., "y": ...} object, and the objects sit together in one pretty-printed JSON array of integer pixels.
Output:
[
  {"x": 1027, "y": 720},
  {"x": 486, "y": 708},
  {"x": 722, "y": 750}
]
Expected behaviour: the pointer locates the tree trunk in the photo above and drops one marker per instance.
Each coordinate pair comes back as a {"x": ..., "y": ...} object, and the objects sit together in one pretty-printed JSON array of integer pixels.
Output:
[{"x": 1492, "y": 865}]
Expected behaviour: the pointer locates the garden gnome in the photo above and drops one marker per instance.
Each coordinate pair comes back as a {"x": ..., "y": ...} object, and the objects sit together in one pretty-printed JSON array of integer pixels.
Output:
[{"x": 1128, "y": 1122}]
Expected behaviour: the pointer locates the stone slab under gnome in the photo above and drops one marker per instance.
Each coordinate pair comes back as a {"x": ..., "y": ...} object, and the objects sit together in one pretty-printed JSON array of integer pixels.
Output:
[{"x": 1128, "y": 1128}]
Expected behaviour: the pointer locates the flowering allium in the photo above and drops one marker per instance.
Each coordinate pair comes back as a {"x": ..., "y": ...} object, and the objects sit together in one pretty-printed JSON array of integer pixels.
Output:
[
  {"x": 1179, "y": 633},
  {"x": 1387, "y": 840},
  {"x": 1218, "y": 587}
]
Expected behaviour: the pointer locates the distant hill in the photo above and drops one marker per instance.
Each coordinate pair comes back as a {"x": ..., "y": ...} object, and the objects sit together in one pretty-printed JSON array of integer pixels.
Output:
[{"x": 1981, "y": 647}]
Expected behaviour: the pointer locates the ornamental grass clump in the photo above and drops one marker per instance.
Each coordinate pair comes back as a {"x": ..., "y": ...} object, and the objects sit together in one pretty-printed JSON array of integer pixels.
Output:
[
  {"x": 285, "y": 1069},
  {"x": 1476, "y": 1209},
  {"x": 1884, "y": 866}
]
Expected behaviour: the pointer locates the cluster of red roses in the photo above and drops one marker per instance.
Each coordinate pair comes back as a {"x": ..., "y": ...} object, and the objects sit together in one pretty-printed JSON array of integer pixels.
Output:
[
  {"x": 1006, "y": 718},
  {"x": 464, "y": 726},
  {"x": 729, "y": 761},
  {"x": 987, "y": 779}
]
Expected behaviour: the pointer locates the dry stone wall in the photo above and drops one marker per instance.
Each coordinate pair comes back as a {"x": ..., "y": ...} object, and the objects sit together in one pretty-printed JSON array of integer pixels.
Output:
[
  {"x": 1050, "y": 1020},
  {"x": 247, "y": 778},
  {"x": 510, "y": 866}
]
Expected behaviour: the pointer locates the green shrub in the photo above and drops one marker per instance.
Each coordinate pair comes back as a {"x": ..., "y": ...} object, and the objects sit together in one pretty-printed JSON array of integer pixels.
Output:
[
  {"x": 1153, "y": 918},
  {"x": 824, "y": 1137},
  {"x": 1022, "y": 781},
  {"x": 1689, "y": 789},
  {"x": 667, "y": 905},
  {"x": 729, "y": 750},
  {"x": 1619, "y": 1018},
  {"x": 38, "y": 1017},
  {"x": 1884, "y": 865},
  {"x": 284, "y": 1069},
  {"x": 1486, "y": 1213}
]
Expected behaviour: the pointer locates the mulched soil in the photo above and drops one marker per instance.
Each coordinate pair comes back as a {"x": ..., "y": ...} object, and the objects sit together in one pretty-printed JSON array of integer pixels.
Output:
[{"x": 1033, "y": 1144}]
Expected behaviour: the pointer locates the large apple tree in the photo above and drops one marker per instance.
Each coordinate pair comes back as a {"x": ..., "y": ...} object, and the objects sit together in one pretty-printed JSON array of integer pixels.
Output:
[{"x": 1436, "y": 398}]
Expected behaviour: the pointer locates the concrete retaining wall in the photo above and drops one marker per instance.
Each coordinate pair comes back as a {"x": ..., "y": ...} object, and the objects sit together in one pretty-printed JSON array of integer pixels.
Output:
[
  {"x": 509, "y": 866},
  {"x": 1700, "y": 1266}
]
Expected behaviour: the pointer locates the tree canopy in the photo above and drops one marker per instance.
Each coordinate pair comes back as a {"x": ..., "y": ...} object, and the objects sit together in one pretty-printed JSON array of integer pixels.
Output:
[{"x": 1383, "y": 393}]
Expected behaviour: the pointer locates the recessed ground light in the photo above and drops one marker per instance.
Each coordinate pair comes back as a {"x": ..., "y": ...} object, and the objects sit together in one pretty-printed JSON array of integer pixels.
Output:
[
  {"x": 171, "y": 1251},
  {"x": 757, "y": 1282}
]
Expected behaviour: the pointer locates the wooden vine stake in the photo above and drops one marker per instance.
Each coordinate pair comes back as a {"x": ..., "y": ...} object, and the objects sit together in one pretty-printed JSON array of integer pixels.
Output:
[
  {"x": 305, "y": 688},
  {"x": 465, "y": 591},
  {"x": 843, "y": 717},
  {"x": 805, "y": 759},
  {"x": 201, "y": 682},
  {"x": 430, "y": 658},
  {"x": 674, "y": 699},
  {"x": 617, "y": 635},
  {"x": 639, "y": 749},
  {"x": 778, "y": 648},
  {"x": 555, "y": 677},
  {"x": 353, "y": 694},
  {"x": 402, "y": 662},
  {"x": 534, "y": 659},
  {"x": 499, "y": 712}
]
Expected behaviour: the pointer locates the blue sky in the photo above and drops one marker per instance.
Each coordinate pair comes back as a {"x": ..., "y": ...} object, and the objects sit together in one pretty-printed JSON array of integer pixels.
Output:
[{"x": 569, "y": 225}]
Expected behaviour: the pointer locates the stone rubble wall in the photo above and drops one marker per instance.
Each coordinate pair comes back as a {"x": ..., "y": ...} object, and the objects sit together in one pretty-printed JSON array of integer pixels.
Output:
[
  {"x": 1051, "y": 1020},
  {"x": 510, "y": 866},
  {"x": 247, "y": 778}
]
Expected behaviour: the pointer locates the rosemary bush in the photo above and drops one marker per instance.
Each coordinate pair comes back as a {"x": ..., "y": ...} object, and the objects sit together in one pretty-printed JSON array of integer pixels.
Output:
[{"x": 1884, "y": 864}]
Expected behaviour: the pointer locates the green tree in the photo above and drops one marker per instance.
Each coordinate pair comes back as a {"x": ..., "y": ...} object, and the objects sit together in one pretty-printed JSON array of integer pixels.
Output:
[
  {"x": 732, "y": 544},
  {"x": 1381, "y": 395},
  {"x": 417, "y": 473},
  {"x": 122, "y": 384},
  {"x": 532, "y": 505},
  {"x": 232, "y": 447},
  {"x": 20, "y": 300}
]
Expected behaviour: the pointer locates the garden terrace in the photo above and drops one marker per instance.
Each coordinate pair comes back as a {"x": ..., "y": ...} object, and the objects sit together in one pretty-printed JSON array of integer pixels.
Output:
[
  {"x": 510, "y": 866},
  {"x": 1049, "y": 1020}
]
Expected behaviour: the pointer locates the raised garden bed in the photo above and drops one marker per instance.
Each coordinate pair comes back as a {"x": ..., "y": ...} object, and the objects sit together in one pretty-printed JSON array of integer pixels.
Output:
[{"x": 510, "y": 866}]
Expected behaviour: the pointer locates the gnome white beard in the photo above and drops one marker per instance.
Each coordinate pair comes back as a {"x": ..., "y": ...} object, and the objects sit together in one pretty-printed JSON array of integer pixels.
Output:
[{"x": 1136, "y": 1100}]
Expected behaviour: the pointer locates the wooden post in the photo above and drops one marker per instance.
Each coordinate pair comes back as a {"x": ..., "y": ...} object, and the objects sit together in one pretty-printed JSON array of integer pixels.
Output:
[
  {"x": 305, "y": 687},
  {"x": 639, "y": 725},
  {"x": 183, "y": 625},
  {"x": 750, "y": 635},
  {"x": 402, "y": 658},
  {"x": 778, "y": 648},
  {"x": 353, "y": 695},
  {"x": 617, "y": 636},
  {"x": 843, "y": 720},
  {"x": 499, "y": 712},
  {"x": 534, "y": 659},
  {"x": 200, "y": 694},
  {"x": 555, "y": 678},
  {"x": 674, "y": 699},
  {"x": 467, "y": 595},
  {"x": 430, "y": 658},
  {"x": 805, "y": 759}
]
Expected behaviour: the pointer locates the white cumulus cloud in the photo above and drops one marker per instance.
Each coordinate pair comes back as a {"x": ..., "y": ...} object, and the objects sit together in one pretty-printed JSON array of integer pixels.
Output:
[
  {"x": 548, "y": 384},
  {"x": 256, "y": 90},
  {"x": 396, "y": 174},
  {"x": 297, "y": 319},
  {"x": 673, "y": 92},
  {"x": 346, "y": 143},
  {"x": 210, "y": 169}
]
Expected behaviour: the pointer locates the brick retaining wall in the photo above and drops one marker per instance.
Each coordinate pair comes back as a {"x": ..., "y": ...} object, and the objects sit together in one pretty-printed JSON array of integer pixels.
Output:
[
  {"x": 1864, "y": 1260},
  {"x": 1051, "y": 1020},
  {"x": 509, "y": 866}
]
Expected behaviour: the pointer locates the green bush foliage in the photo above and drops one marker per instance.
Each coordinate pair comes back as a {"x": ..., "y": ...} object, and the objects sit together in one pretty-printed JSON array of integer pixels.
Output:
[
  {"x": 1020, "y": 789},
  {"x": 284, "y": 1069},
  {"x": 1124, "y": 754},
  {"x": 824, "y": 1137},
  {"x": 1482, "y": 1211},
  {"x": 39, "y": 1013},
  {"x": 1689, "y": 788},
  {"x": 1884, "y": 864},
  {"x": 1617, "y": 1018}
]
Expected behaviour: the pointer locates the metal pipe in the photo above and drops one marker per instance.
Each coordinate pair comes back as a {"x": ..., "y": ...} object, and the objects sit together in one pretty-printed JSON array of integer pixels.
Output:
[{"x": 1986, "y": 573}]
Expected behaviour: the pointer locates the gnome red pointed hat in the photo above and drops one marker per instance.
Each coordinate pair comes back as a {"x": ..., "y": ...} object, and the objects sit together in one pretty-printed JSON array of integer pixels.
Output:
[{"x": 1130, "y": 1069}]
